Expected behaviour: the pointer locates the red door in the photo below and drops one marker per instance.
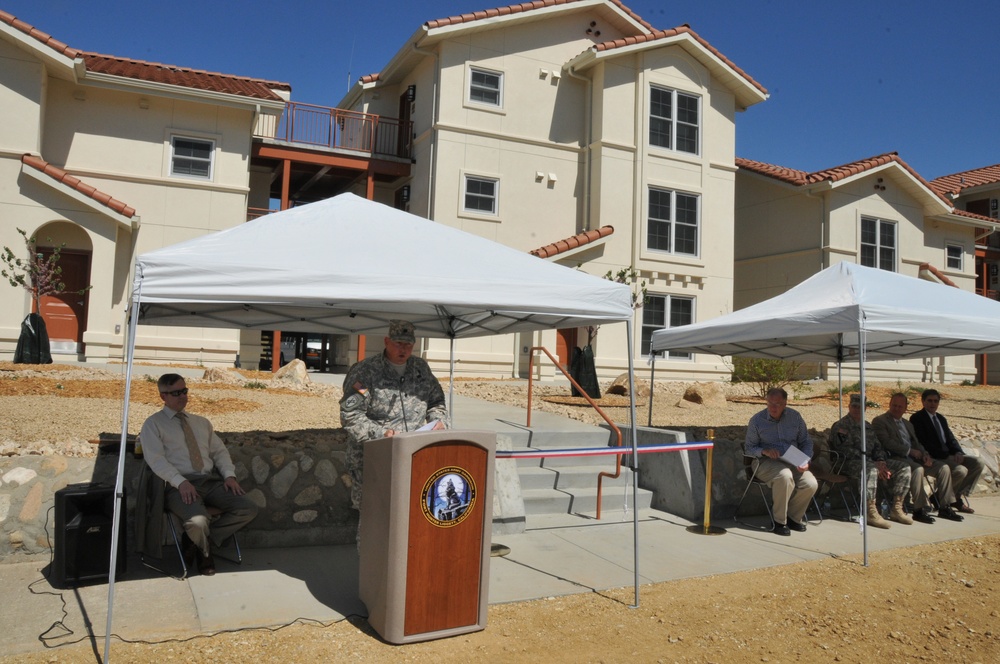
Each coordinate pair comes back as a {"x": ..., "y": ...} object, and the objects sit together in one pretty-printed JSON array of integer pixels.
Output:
[
  {"x": 65, "y": 314},
  {"x": 565, "y": 343}
]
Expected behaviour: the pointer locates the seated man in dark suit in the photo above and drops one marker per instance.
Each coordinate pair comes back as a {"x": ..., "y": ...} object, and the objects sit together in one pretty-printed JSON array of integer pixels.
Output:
[
  {"x": 936, "y": 437},
  {"x": 900, "y": 442}
]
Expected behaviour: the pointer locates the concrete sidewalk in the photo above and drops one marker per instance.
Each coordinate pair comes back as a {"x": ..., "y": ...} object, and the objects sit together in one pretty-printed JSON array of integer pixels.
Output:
[
  {"x": 278, "y": 586},
  {"x": 554, "y": 557}
]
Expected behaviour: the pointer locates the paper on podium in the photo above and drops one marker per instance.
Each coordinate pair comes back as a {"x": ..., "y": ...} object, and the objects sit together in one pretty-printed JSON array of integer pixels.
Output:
[
  {"x": 429, "y": 426},
  {"x": 795, "y": 457}
]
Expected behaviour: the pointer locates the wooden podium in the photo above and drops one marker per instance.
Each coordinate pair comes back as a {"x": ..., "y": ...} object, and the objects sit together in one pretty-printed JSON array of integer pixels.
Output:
[{"x": 426, "y": 522}]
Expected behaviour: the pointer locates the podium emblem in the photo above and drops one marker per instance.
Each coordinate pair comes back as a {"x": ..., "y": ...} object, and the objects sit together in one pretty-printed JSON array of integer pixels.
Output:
[{"x": 448, "y": 496}]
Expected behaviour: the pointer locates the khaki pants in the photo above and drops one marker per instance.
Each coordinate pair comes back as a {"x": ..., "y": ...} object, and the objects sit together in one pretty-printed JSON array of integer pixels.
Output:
[{"x": 791, "y": 489}]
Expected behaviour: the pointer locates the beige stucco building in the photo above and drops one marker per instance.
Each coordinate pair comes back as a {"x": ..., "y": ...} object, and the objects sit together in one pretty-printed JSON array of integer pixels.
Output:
[
  {"x": 111, "y": 157},
  {"x": 977, "y": 191},
  {"x": 877, "y": 212},
  {"x": 541, "y": 122}
]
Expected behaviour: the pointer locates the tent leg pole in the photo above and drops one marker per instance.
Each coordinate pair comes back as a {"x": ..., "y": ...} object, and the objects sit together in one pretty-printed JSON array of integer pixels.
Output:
[
  {"x": 635, "y": 463},
  {"x": 451, "y": 381},
  {"x": 120, "y": 479},
  {"x": 652, "y": 386}
]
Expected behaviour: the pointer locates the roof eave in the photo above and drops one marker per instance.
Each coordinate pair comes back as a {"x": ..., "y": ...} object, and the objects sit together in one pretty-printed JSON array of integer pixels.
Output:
[
  {"x": 58, "y": 64},
  {"x": 122, "y": 83},
  {"x": 967, "y": 221},
  {"x": 745, "y": 92},
  {"x": 128, "y": 223}
]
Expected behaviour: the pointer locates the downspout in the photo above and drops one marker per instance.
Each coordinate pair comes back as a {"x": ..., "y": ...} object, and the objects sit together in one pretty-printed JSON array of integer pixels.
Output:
[
  {"x": 432, "y": 171},
  {"x": 823, "y": 201},
  {"x": 588, "y": 144}
]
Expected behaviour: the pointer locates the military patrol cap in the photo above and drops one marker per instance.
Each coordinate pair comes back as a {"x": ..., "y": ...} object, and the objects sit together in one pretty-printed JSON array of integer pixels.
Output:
[
  {"x": 402, "y": 331},
  {"x": 855, "y": 399}
]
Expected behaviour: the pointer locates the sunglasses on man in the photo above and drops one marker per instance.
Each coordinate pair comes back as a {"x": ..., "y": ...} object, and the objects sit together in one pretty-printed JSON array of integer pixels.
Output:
[{"x": 175, "y": 393}]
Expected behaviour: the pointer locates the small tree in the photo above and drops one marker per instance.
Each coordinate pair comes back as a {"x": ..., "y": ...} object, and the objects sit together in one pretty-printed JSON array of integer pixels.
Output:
[
  {"x": 764, "y": 373},
  {"x": 36, "y": 274},
  {"x": 630, "y": 277}
]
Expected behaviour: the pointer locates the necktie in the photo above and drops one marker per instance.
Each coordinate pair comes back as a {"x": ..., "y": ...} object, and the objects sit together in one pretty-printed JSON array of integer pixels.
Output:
[
  {"x": 192, "y": 443},
  {"x": 938, "y": 428}
]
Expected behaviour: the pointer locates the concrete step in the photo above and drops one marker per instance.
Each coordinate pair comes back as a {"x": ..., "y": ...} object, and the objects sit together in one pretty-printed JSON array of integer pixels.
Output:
[
  {"x": 566, "y": 477},
  {"x": 543, "y": 502},
  {"x": 608, "y": 516}
]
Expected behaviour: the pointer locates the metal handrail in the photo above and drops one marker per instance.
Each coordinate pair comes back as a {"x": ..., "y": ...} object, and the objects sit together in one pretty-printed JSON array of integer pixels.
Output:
[
  {"x": 325, "y": 126},
  {"x": 614, "y": 427}
]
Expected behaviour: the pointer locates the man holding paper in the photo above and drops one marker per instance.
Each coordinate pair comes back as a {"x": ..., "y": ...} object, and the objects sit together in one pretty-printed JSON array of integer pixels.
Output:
[
  {"x": 777, "y": 437},
  {"x": 389, "y": 393}
]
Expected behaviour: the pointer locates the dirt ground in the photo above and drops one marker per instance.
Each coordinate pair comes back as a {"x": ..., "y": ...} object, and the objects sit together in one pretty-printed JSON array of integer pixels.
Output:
[{"x": 931, "y": 603}]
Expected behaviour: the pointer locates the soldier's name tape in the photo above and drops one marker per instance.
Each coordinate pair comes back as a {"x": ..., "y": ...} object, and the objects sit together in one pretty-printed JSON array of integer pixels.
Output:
[{"x": 603, "y": 451}]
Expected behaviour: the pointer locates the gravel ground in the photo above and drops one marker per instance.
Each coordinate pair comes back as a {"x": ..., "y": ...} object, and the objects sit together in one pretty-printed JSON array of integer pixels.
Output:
[{"x": 933, "y": 603}]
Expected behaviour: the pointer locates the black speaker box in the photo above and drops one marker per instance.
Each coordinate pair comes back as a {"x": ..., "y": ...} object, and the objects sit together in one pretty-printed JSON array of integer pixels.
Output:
[{"x": 84, "y": 520}]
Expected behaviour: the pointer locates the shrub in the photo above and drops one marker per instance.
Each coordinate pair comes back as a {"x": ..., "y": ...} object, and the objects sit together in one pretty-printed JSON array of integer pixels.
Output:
[
  {"x": 764, "y": 373},
  {"x": 255, "y": 385}
]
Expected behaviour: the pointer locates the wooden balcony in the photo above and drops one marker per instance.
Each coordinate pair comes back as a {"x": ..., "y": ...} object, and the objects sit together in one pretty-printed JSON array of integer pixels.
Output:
[{"x": 335, "y": 128}]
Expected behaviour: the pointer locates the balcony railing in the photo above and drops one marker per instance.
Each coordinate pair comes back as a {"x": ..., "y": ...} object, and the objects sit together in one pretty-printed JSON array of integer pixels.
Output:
[{"x": 338, "y": 128}]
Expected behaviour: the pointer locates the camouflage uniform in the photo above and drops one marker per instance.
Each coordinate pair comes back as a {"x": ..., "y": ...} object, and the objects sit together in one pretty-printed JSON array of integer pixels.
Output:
[
  {"x": 377, "y": 398},
  {"x": 845, "y": 439}
]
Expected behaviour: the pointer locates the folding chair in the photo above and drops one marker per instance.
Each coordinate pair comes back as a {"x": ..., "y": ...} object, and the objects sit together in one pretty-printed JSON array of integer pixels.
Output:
[
  {"x": 831, "y": 480},
  {"x": 175, "y": 529},
  {"x": 150, "y": 489},
  {"x": 750, "y": 470}
]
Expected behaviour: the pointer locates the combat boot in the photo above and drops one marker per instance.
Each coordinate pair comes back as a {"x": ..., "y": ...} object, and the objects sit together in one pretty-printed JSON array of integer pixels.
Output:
[
  {"x": 897, "y": 514},
  {"x": 874, "y": 518}
]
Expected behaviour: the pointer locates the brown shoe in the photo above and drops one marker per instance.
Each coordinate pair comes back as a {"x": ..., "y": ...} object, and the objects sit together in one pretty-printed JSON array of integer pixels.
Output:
[
  {"x": 960, "y": 506},
  {"x": 206, "y": 564}
]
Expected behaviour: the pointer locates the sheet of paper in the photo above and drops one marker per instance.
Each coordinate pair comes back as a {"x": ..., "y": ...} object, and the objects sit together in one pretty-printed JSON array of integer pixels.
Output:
[
  {"x": 794, "y": 457},
  {"x": 429, "y": 426}
]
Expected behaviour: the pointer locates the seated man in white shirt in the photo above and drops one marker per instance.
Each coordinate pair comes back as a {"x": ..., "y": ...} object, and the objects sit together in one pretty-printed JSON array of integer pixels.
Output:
[{"x": 185, "y": 452}]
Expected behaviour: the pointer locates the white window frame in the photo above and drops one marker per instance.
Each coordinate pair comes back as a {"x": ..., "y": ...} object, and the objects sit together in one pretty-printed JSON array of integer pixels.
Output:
[
  {"x": 673, "y": 222},
  {"x": 950, "y": 247},
  {"x": 472, "y": 71},
  {"x": 878, "y": 245},
  {"x": 211, "y": 143},
  {"x": 673, "y": 121},
  {"x": 650, "y": 327},
  {"x": 466, "y": 211}
]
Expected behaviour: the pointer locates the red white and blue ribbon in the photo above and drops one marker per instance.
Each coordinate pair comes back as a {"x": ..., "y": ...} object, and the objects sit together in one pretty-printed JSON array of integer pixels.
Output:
[{"x": 603, "y": 451}]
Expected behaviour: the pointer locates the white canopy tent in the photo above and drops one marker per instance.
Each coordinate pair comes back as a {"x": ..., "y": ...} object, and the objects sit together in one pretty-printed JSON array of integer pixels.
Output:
[
  {"x": 849, "y": 313},
  {"x": 347, "y": 265}
]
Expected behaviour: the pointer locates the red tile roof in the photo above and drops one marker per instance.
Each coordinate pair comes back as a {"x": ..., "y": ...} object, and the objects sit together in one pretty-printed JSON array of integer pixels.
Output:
[
  {"x": 243, "y": 86},
  {"x": 954, "y": 184},
  {"x": 197, "y": 79},
  {"x": 43, "y": 37},
  {"x": 522, "y": 7},
  {"x": 59, "y": 175},
  {"x": 578, "y": 240},
  {"x": 834, "y": 174},
  {"x": 665, "y": 34},
  {"x": 837, "y": 173},
  {"x": 937, "y": 273}
]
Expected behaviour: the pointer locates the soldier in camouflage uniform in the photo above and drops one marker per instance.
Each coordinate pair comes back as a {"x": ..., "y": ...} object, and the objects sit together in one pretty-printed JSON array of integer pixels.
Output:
[
  {"x": 388, "y": 394},
  {"x": 845, "y": 439}
]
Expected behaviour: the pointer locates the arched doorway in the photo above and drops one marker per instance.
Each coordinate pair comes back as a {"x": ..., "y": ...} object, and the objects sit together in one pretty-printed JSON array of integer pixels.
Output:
[{"x": 65, "y": 313}]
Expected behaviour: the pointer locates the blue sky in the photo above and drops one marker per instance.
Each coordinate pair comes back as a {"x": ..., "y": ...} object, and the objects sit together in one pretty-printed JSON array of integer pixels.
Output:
[{"x": 848, "y": 79}]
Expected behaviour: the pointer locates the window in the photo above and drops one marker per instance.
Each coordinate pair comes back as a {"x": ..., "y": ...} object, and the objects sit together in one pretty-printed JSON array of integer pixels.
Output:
[
  {"x": 953, "y": 256},
  {"x": 662, "y": 311},
  {"x": 192, "y": 157},
  {"x": 481, "y": 195},
  {"x": 673, "y": 120},
  {"x": 673, "y": 222},
  {"x": 485, "y": 87},
  {"x": 878, "y": 244}
]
